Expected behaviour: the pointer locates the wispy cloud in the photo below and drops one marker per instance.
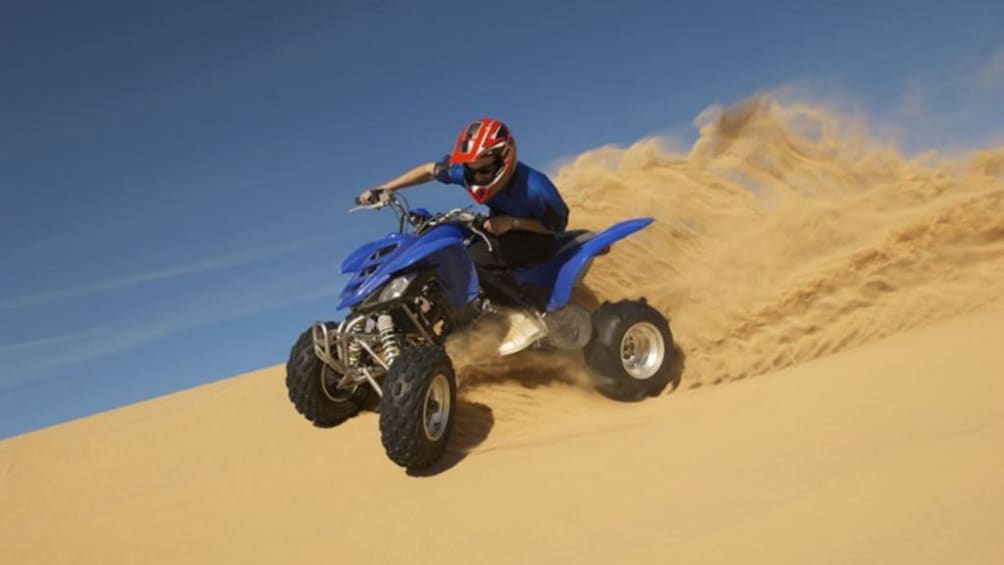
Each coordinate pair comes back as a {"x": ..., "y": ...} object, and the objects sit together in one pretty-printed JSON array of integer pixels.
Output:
[
  {"x": 227, "y": 260},
  {"x": 47, "y": 342},
  {"x": 19, "y": 361}
]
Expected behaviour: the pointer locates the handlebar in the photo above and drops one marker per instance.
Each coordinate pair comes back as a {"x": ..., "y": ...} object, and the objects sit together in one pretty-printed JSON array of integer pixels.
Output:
[{"x": 382, "y": 198}]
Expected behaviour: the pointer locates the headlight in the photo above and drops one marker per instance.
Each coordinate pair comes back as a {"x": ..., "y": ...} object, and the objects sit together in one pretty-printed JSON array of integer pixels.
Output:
[{"x": 395, "y": 288}]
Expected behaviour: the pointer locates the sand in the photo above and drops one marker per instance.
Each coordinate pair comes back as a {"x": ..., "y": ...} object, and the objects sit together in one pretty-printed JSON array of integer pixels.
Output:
[{"x": 841, "y": 312}]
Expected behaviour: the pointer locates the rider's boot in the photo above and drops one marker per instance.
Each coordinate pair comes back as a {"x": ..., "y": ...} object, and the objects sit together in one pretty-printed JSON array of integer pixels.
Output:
[{"x": 525, "y": 328}]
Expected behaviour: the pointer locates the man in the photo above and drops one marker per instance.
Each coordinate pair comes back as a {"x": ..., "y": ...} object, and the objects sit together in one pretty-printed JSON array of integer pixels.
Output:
[{"x": 525, "y": 213}]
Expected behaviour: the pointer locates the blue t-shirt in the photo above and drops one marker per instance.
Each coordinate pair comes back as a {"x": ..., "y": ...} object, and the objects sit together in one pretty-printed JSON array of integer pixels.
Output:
[{"x": 529, "y": 194}]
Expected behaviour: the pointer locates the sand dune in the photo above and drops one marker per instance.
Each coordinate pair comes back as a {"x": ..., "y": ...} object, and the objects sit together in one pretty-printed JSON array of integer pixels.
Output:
[
  {"x": 865, "y": 288},
  {"x": 889, "y": 453}
]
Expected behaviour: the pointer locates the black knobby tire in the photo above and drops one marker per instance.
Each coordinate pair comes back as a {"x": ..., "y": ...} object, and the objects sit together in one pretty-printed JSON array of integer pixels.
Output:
[
  {"x": 310, "y": 384},
  {"x": 605, "y": 352},
  {"x": 407, "y": 400}
]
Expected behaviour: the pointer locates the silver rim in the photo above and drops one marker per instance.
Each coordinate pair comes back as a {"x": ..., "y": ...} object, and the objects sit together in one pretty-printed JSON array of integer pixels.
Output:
[
  {"x": 436, "y": 408},
  {"x": 642, "y": 350}
]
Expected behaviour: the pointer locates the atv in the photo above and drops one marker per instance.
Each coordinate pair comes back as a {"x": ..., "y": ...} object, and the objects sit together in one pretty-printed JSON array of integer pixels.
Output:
[{"x": 412, "y": 289}]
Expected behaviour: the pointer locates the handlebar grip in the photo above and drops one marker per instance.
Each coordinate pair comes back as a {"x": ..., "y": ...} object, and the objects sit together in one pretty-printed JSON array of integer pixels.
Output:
[{"x": 374, "y": 196}]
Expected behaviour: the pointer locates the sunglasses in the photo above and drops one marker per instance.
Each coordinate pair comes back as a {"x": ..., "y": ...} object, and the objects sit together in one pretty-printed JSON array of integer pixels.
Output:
[{"x": 486, "y": 169}]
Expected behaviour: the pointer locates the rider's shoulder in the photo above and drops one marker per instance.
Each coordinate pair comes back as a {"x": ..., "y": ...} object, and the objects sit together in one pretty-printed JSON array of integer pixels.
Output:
[{"x": 534, "y": 178}]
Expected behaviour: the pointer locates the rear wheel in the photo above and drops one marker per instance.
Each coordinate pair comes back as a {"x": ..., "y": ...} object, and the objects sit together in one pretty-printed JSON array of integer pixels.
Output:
[
  {"x": 629, "y": 353},
  {"x": 311, "y": 386}
]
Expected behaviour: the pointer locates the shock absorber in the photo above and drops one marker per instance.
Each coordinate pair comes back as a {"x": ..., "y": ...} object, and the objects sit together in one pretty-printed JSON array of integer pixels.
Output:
[
  {"x": 388, "y": 339},
  {"x": 355, "y": 349}
]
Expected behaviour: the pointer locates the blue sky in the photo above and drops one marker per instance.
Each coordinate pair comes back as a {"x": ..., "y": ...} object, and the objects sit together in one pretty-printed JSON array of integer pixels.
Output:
[{"x": 175, "y": 176}]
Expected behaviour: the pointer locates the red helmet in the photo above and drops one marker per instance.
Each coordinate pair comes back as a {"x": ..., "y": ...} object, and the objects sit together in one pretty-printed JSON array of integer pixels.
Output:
[{"x": 487, "y": 151}]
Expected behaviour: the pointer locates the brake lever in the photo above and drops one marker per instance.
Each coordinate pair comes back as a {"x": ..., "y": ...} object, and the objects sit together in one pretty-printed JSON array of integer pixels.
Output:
[
  {"x": 376, "y": 206},
  {"x": 483, "y": 236}
]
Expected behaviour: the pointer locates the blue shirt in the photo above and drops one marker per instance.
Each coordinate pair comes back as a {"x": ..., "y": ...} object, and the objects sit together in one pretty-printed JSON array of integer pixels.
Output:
[{"x": 529, "y": 194}]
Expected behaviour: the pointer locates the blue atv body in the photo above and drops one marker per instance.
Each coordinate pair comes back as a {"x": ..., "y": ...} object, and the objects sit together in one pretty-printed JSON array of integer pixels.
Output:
[{"x": 444, "y": 249}]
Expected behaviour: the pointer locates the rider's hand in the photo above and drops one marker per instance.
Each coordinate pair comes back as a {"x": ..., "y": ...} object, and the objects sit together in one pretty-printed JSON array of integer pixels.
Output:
[
  {"x": 498, "y": 225},
  {"x": 368, "y": 196}
]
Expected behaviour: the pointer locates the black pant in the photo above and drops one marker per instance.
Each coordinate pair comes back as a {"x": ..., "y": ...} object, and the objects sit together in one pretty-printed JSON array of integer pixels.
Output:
[{"x": 512, "y": 250}]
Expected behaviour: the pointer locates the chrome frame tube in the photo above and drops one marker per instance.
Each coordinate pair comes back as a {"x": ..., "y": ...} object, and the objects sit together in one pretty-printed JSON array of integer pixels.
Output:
[
  {"x": 373, "y": 382},
  {"x": 418, "y": 324}
]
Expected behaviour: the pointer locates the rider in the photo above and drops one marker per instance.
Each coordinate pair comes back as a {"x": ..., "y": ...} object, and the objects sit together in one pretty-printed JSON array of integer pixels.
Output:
[{"x": 525, "y": 214}]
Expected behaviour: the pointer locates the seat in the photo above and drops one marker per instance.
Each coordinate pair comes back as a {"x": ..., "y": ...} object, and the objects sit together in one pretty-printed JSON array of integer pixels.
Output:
[{"x": 572, "y": 238}]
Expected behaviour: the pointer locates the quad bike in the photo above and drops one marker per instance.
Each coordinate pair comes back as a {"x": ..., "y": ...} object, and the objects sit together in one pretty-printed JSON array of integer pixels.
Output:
[{"x": 409, "y": 291}]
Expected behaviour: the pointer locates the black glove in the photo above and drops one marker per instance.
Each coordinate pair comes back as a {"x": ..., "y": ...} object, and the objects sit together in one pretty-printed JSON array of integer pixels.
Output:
[{"x": 369, "y": 196}]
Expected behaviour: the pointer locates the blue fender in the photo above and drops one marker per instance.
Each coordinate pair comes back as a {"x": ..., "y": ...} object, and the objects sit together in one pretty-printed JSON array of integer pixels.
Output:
[
  {"x": 443, "y": 247},
  {"x": 357, "y": 258},
  {"x": 573, "y": 269}
]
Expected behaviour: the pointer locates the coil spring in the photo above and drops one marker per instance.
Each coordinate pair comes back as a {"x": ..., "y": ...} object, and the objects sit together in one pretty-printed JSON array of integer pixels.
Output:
[
  {"x": 385, "y": 327},
  {"x": 355, "y": 350}
]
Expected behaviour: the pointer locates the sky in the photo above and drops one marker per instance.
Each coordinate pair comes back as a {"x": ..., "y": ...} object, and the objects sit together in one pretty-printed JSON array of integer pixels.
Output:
[{"x": 175, "y": 176}]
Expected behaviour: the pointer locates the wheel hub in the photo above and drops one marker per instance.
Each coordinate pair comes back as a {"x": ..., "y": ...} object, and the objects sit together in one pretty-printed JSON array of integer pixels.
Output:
[
  {"x": 642, "y": 350},
  {"x": 436, "y": 408}
]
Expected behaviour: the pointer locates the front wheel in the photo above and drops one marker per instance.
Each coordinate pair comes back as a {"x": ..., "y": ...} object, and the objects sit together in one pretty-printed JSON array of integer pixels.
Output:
[
  {"x": 311, "y": 386},
  {"x": 418, "y": 405},
  {"x": 629, "y": 353}
]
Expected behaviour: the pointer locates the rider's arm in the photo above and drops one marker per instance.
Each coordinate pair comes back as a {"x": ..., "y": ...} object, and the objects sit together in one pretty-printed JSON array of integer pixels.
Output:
[
  {"x": 419, "y": 175},
  {"x": 440, "y": 170}
]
